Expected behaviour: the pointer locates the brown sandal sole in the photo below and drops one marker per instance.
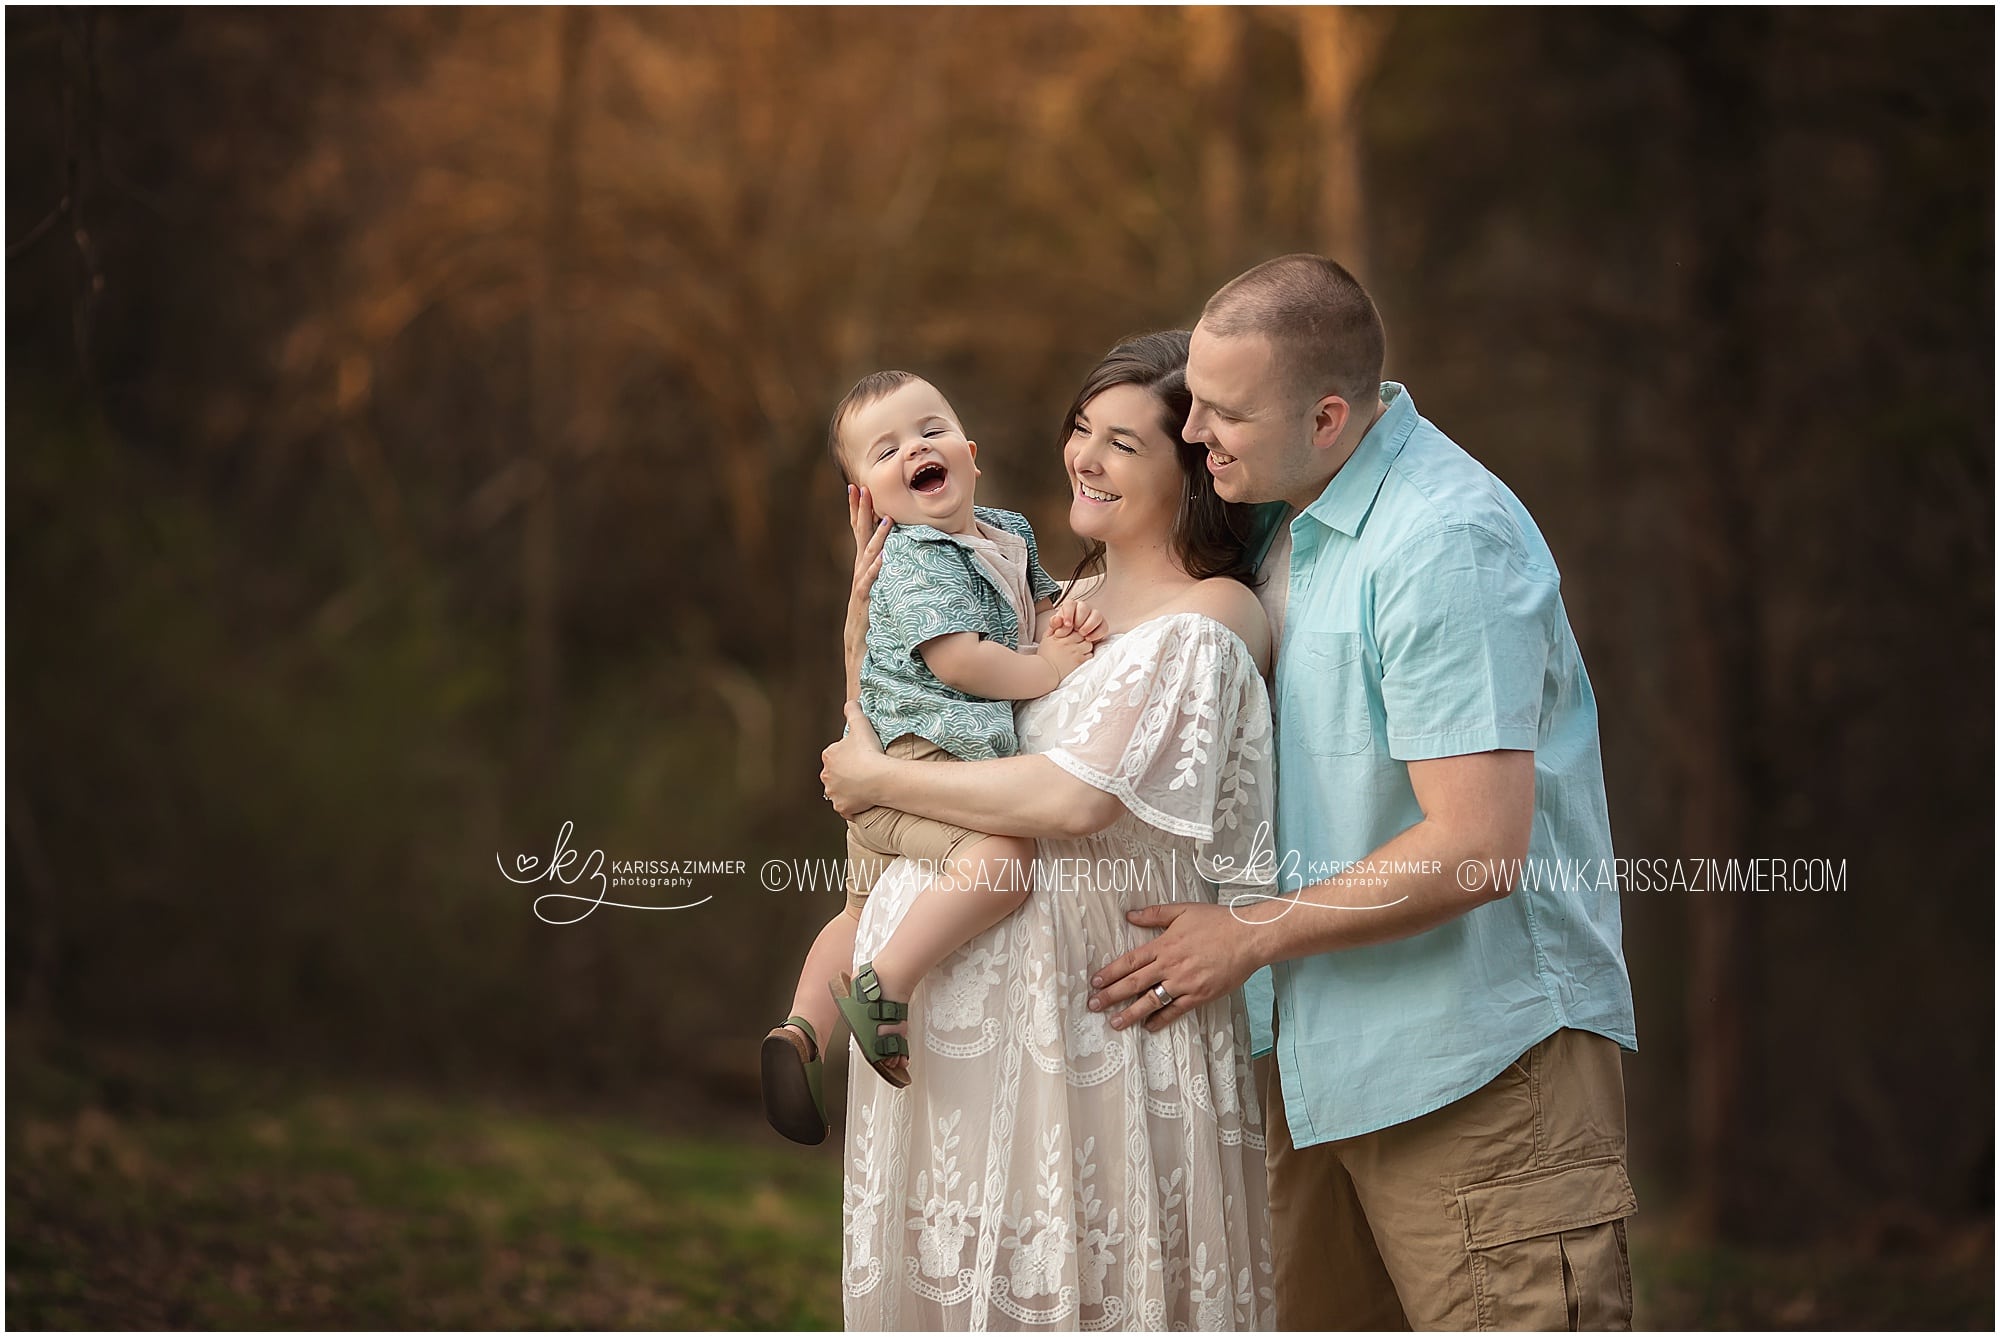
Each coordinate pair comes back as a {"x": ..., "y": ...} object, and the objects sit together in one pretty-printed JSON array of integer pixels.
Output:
[{"x": 788, "y": 1098}]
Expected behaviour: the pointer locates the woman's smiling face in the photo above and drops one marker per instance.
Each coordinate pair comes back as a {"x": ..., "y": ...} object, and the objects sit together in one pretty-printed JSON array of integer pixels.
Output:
[{"x": 1124, "y": 468}]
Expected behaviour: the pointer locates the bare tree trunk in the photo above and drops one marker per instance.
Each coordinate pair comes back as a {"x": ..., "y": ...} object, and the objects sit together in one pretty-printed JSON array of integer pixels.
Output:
[
  {"x": 41, "y": 889},
  {"x": 550, "y": 410},
  {"x": 82, "y": 148},
  {"x": 1338, "y": 48},
  {"x": 1722, "y": 56},
  {"x": 1215, "y": 43}
]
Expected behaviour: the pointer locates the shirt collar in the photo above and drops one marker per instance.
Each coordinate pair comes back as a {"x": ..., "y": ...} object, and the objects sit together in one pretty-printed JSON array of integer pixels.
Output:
[
  {"x": 1265, "y": 522},
  {"x": 1344, "y": 504},
  {"x": 932, "y": 534},
  {"x": 926, "y": 534}
]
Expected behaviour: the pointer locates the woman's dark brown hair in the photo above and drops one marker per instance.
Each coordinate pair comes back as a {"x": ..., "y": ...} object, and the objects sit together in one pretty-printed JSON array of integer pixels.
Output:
[{"x": 1210, "y": 535}]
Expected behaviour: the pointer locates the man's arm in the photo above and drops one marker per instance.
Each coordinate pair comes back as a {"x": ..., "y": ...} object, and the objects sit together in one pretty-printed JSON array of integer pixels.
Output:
[
  {"x": 1008, "y": 796},
  {"x": 1478, "y": 816}
]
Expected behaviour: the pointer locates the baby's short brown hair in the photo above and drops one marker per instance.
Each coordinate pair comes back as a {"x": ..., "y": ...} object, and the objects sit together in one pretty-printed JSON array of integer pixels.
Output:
[{"x": 870, "y": 388}]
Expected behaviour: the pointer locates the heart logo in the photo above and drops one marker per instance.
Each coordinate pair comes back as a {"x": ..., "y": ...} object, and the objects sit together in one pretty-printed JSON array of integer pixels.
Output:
[{"x": 524, "y": 862}]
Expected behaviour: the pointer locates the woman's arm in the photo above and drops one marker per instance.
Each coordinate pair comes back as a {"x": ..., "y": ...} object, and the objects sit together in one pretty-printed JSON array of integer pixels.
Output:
[
  {"x": 869, "y": 536},
  {"x": 1009, "y": 796}
]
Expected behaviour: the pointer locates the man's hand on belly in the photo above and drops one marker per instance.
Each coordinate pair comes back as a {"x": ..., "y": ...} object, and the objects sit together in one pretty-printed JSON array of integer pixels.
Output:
[{"x": 1204, "y": 953}]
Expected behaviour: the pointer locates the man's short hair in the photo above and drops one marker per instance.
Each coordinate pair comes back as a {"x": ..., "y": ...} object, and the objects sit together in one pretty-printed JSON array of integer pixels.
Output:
[
  {"x": 1323, "y": 327},
  {"x": 876, "y": 385}
]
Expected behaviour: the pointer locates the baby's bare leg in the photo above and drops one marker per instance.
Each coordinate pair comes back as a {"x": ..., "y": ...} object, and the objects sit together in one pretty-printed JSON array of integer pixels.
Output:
[
  {"x": 832, "y": 952},
  {"x": 988, "y": 881}
]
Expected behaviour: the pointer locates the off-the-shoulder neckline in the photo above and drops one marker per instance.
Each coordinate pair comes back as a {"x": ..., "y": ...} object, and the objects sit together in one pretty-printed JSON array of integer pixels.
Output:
[{"x": 1226, "y": 629}]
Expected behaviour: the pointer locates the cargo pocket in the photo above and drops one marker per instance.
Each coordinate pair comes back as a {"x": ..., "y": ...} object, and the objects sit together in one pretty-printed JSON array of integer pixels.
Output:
[{"x": 1548, "y": 1248}]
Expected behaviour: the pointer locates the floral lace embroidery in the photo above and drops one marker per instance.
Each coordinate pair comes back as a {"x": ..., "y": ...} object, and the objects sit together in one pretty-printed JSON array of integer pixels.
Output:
[{"x": 1043, "y": 1170}]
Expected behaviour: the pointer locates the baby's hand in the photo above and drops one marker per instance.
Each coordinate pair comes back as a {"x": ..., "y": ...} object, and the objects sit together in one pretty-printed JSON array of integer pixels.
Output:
[
  {"x": 1077, "y": 619},
  {"x": 1065, "y": 650}
]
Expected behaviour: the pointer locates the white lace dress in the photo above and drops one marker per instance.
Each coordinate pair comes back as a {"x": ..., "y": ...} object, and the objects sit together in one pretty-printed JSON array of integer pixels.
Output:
[{"x": 1042, "y": 1170}]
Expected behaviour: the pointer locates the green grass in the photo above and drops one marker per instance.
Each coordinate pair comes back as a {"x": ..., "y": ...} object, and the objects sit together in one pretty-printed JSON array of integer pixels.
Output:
[
  {"x": 175, "y": 1195},
  {"x": 159, "y": 1191},
  {"x": 1944, "y": 1281}
]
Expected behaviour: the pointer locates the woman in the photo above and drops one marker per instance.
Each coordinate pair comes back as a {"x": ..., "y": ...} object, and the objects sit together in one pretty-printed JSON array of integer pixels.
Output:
[{"x": 1044, "y": 1169}]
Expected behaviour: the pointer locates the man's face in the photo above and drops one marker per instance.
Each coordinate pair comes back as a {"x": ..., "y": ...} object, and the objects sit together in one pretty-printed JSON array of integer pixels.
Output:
[
  {"x": 1260, "y": 441},
  {"x": 910, "y": 453}
]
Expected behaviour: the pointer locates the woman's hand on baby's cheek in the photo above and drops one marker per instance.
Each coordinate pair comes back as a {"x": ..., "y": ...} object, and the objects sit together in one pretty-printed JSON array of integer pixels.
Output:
[
  {"x": 861, "y": 516},
  {"x": 870, "y": 533}
]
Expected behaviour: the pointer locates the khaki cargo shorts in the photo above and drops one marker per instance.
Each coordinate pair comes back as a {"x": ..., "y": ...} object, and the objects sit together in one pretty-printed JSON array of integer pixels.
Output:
[
  {"x": 879, "y": 835},
  {"x": 1503, "y": 1210}
]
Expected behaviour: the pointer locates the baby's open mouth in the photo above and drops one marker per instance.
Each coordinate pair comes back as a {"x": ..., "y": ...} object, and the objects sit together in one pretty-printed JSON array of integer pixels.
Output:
[{"x": 928, "y": 478}]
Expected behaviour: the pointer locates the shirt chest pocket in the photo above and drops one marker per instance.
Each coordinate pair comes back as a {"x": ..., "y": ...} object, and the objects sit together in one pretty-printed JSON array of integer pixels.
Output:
[{"x": 1326, "y": 694}]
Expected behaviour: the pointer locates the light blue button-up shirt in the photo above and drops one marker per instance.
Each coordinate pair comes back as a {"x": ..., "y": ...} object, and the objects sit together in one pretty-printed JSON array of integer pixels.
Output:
[{"x": 1424, "y": 619}]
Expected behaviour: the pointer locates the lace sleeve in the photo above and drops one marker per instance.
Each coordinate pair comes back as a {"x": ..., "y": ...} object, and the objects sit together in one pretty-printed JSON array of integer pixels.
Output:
[{"x": 1180, "y": 732}]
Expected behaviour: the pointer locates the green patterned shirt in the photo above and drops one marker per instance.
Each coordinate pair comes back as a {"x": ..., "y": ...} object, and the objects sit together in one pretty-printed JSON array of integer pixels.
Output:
[{"x": 932, "y": 585}]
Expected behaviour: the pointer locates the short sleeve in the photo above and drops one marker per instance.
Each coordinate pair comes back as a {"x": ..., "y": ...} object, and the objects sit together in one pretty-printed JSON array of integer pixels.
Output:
[
  {"x": 1464, "y": 622},
  {"x": 920, "y": 594},
  {"x": 1042, "y": 584},
  {"x": 1180, "y": 732}
]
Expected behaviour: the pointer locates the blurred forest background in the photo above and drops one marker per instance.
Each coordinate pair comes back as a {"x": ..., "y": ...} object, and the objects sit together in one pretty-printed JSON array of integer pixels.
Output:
[{"x": 415, "y": 434}]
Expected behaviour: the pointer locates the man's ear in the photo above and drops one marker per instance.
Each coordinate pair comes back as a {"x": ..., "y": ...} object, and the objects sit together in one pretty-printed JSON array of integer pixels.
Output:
[{"x": 1330, "y": 417}]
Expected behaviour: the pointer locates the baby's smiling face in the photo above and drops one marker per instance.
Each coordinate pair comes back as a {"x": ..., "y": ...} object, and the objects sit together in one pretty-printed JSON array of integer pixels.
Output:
[{"x": 910, "y": 453}]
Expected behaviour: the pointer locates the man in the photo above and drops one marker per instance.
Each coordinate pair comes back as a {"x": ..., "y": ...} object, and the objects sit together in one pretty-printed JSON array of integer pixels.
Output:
[{"x": 1444, "y": 1103}]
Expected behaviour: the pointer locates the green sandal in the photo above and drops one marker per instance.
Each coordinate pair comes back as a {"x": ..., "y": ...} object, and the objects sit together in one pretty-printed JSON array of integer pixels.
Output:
[
  {"x": 794, "y": 1101},
  {"x": 862, "y": 1004}
]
